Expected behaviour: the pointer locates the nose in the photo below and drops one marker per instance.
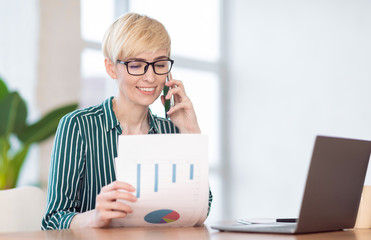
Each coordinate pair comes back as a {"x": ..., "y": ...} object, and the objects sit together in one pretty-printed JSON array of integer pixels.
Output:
[{"x": 150, "y": 75}]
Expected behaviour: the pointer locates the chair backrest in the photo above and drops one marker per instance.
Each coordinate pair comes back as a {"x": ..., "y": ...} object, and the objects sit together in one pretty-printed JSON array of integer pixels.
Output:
[{"x": 21, "y": 209}]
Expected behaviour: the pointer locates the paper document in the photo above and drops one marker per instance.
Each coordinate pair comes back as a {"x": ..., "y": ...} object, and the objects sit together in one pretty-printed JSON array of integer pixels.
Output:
[{"x": 170, "y": 174}]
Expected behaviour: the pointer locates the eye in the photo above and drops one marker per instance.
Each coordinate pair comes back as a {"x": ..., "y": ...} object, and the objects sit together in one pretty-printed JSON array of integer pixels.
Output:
[
  {"x": 135, "y": 65},
  {"x": 161, "y": 64}
]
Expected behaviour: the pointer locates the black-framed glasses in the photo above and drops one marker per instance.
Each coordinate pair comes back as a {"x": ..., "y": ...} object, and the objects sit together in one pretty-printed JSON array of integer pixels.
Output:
[{"x": 137, "y": 67}]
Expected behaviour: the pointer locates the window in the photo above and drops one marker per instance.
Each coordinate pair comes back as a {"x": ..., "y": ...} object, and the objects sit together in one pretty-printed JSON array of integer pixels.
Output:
[{"x": 96, "y": 16}]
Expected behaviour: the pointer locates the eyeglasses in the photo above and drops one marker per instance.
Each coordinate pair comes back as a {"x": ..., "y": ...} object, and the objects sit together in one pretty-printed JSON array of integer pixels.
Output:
[{"x": 137, "y": 67}]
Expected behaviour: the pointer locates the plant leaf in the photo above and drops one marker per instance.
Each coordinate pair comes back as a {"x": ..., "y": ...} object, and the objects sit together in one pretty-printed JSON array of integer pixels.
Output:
[
  {"x": 21, "y": 115},
  {"x": 46, "y": 126},
  {"x": 16, "y": 165},
  {"x": 4, "y": 161},
  {"x": 13, "y": 113},
  {"x": 3, "y": 89}
]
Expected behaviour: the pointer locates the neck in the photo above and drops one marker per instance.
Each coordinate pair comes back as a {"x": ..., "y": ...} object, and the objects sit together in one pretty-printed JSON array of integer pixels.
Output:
[{"x": 133, "y": 118}]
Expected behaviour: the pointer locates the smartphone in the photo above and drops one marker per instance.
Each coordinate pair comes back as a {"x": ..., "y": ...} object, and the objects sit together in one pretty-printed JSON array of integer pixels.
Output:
[{"x": 169, "y": 102}]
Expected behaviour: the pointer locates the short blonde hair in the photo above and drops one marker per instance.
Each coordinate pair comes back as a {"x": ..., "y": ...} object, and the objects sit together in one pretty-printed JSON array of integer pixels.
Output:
[{"x": 132, "y": 34}]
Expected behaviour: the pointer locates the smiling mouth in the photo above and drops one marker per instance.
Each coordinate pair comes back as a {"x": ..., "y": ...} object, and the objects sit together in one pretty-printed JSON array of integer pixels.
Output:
[{"x": 146, "y": 89}]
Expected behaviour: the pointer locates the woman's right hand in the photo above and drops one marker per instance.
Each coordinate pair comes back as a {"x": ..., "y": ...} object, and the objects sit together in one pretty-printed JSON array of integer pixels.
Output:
[{"x": 106, "y": 206}]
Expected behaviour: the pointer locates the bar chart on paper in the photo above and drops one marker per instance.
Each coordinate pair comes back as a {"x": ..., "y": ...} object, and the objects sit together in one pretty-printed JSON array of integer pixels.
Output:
[
  {"x": 171, "y": 189},
  {"x": 167, "y": 176}
]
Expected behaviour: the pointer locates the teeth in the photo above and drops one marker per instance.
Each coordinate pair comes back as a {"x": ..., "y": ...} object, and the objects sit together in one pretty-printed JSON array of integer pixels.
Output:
[{"x": 147, "y": 89}]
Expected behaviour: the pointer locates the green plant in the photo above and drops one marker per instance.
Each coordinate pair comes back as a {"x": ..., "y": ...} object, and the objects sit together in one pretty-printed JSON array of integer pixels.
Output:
[{"x": 16, "y": 135}]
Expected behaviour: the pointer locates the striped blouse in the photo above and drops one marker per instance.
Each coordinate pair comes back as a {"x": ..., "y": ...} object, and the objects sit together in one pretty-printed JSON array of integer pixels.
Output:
[{"x": 82, "y": 161}]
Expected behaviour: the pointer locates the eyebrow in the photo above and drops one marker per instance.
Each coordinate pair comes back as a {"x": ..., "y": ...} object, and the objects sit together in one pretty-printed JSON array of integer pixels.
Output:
[{"x": 142, "y": 59}]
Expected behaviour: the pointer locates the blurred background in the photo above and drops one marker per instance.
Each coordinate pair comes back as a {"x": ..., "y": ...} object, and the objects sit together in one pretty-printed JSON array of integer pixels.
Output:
[{"x": 265, "y": 78}]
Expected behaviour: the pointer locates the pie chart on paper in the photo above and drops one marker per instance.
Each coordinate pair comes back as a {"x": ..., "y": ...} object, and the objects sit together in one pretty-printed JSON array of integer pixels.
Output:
[{"x": 162, "y": 216}]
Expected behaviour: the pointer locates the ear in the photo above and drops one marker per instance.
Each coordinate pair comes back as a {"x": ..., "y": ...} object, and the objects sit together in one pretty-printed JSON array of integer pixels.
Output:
[{"x": 110, "y": 68}]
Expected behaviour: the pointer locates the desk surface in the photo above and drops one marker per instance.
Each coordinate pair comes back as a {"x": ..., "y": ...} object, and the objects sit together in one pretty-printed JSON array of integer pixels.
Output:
[{"x": 201, "y": 233}]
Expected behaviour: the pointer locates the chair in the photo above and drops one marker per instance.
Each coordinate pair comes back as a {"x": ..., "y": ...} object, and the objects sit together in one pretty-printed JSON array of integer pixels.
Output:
[{"x": 21, "y": 209}]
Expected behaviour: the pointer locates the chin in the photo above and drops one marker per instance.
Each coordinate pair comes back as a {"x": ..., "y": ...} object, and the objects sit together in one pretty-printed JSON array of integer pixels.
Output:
[{"x": 146, "y": 103}]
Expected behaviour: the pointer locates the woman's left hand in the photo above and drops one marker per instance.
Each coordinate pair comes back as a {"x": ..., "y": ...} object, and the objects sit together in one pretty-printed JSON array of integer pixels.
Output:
[{"x": 182, "y": 114}]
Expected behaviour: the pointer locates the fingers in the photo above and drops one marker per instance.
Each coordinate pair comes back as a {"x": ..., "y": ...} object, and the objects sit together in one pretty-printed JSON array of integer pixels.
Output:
[
  {"x": 173, "y": 83},
  {"x": 118, "y": 185},
  {"x": 112, "y": 215},
  {"x": 111, "y": 196},
  {"x": 178, "y": 93},
  {"x": 176, "y": 88},
  {"x": 109, "y": 210},
  {"x": 112, "y": 202},
  {"x": 116, "y": 195},
  {"x": 109, "y": 206},
  {"x": 177, "y": 107}
]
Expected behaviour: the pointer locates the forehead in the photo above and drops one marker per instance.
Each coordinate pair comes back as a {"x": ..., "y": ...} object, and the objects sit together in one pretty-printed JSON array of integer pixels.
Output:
[{"x": 150, "y": 56}]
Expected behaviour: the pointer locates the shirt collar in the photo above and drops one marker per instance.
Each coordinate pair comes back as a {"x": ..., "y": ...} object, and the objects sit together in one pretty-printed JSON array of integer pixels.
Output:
[
  {"x": 112, "y": 122},
  {"x": 153, "y": 125},
  {"x": 110, "y": 117}
]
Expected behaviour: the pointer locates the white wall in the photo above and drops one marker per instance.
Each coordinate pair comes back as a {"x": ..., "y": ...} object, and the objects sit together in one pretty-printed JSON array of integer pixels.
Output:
[{"x": 296, "y": 69}]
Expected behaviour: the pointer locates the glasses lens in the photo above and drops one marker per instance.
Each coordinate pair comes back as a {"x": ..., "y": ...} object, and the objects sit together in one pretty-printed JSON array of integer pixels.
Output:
[
  {"x": 139, "y": 68},
  {"x": 136, "y": 68},
  {"x": 162, "y": 67}
]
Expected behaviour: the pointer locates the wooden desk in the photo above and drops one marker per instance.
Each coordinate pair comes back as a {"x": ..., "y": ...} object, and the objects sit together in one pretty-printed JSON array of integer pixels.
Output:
[{"x": 201, "y": 233}]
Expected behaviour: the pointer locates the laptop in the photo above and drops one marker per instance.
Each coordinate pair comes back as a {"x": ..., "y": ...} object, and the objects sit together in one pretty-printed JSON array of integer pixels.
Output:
[{"x": 332, "y": 193}]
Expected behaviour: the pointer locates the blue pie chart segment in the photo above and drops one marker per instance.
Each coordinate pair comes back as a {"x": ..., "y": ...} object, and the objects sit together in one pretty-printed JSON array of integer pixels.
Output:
[{"x": 162, "y": 216}]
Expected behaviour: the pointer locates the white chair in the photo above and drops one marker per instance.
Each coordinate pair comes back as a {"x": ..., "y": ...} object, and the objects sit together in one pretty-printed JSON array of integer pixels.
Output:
[{"x": 21, "y": 209}]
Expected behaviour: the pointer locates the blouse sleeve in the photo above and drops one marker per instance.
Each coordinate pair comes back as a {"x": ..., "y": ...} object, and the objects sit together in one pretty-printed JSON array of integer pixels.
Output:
[
  {"x": 66, "y": 169},
  {"x": 210, "y": 201}
]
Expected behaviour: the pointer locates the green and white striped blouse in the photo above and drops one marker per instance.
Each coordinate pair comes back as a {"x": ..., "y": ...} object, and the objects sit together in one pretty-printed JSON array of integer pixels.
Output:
[{"x": 82, "y": 160}]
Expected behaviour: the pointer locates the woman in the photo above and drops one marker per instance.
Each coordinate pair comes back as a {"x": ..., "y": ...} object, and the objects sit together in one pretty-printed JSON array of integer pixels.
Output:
[{"x": 82, "y": 190}]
